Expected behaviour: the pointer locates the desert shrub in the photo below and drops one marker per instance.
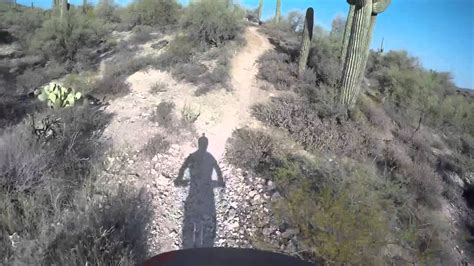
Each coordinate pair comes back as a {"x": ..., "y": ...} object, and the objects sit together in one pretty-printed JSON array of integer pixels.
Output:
[
  {"x": 80, "y": 82},
  {"x": 13, "y": 109},
  {"x": 277, "y": 69},
  {"x": 163, "y": 114},
  {"x": 375, "y": 114},
  {"x": 180, "y": 50},
  {"x": 158, "y": 87},
  {"x": 254, "y": 149},
  {"x": 89, "y": 228},
  {"x": 33, "y": 78},
  {"x": 113, "y": 83},
  {"x": 158, "y": 144},
  {"x": 53, "y": 209},
  {"x": 105, "y": 10},
  {"x": 324, "y": 59},
  {"x": 306, "y": 126},
  {"x": 339, "y": 210},
  {"x": 22, "y": 23},
  {"x": 410, "y": 90},
  {"x": 63, "y": 39},
  {"x": 190, "y": 72},
  {"x": 152, "y": 12},
  {"x": 141, "y": 34},
  {"x": 189, "y": 115},
  {"x": 186, "y": 62},
  {"x": 53, "y": 150},
  {"x": 212, "y": 23},
  {"x": 425, "y": 183},
  {"x": 110, "y": 87},
  {"x": 211, "y": 80}
]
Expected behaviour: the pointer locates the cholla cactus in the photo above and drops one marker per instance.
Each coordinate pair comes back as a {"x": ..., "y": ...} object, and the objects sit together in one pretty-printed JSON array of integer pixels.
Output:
[
  {"x": 355, "y": 61},
  {"x": 306, "y": 42},
  {"x": 58, "y": 96}
]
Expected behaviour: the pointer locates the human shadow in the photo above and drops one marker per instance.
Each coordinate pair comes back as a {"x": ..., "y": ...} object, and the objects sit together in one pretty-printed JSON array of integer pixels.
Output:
[{"x": 199, "y": 224}]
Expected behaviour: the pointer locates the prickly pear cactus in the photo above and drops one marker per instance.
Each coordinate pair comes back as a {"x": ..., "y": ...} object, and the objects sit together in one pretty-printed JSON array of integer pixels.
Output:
[
  {"x": 58, "y": 96},
  {"x": 306, "y": 42},
  {"x": 363, "y": 22}
]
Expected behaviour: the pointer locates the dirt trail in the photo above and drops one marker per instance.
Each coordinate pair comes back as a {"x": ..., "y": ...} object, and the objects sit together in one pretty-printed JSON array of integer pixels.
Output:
[
  {"x": 221, "y": 112},
  {"x": 245, "y": 92}
]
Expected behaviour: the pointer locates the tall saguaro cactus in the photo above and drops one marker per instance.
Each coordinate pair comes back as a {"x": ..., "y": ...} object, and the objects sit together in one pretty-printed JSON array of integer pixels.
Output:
[
  {"x": 363, "y": 22},
  {"x": 278, "y": 12},
  {"x": 347, "y": 34},
  {"x": 260, "y": 10},
  {"x": 306, "y": 42},
  {"x": 84, "y": 6},
  {"x": 63, "y": 8}
]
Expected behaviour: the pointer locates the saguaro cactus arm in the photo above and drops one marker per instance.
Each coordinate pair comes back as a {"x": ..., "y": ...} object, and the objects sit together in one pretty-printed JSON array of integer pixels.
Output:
[
  {"x": 63, "y": 8},
  {"x": 347, "y": 34},
  {"x": 353, "y": 64},
  {"x": 278, "y": 11},
  {"x": 365, "y": 15},
  {"x": 306, "y": 41},
  {"x": 380, "y": 6},
  {"x": 260, "y": 10}
]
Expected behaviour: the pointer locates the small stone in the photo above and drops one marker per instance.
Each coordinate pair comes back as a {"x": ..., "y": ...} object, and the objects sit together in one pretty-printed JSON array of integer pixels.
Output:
[
  {"x": 267, "y": 231},
  {"x": 290, "y": 233},
  {"x": 271, "y": 186},
  {"x": 276, "y": 196}
]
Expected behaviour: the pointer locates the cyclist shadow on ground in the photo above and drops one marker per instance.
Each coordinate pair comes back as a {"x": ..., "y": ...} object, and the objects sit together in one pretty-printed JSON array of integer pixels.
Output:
[{"x": 199, "y": 224}]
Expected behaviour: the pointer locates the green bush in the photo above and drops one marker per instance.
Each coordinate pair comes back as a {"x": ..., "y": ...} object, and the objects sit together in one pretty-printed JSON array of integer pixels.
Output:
[
  {"x": 410, "y": 90},
  {"x": 62, "y": 40},
  {"x": 341, "y": 212},
  {"x": 255, "y": 150},
  {"x": 152, "y": 12},
  {"x": 106, "y": 10},
  {"x": 212, "y": 22},
  {"x": 22, "y": 23}
]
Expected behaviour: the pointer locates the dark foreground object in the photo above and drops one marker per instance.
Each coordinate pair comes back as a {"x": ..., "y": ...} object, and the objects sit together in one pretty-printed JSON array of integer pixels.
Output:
[{"x": 223, "y": 257}]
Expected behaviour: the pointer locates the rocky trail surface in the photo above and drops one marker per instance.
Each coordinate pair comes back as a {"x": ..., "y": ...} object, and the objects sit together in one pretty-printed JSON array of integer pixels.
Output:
[{"x": 239, "y": 209}]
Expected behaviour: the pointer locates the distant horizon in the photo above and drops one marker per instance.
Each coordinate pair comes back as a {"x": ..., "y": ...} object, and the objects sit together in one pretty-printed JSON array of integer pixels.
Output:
[{"x": 441, "y": 45}]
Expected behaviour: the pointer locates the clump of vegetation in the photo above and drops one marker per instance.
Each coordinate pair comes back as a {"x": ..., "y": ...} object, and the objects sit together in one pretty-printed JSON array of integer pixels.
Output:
[
  {"x": 212, "y": 23},
  {"x": 152, "y": 12},
  {"x": 158, "y": 87},
  {"x": 256, "y": 150},
  {"x": 163, "y": 114},
  {"x": 141, "y": 34},
  {"x": 330, "y": 203},
  {"x": 52, "y": 208},
  {"x": 394, "y": 132},
  {"x": 156, "y": 145},
  {"x": 212, "y": 31},
  {"x": 189, "y": 114},
  {"x": 68, "y": 39}
]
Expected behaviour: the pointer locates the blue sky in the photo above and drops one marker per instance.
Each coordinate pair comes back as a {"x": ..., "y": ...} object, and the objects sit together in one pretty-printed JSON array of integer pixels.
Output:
[{"x": 439, "y": 32}]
